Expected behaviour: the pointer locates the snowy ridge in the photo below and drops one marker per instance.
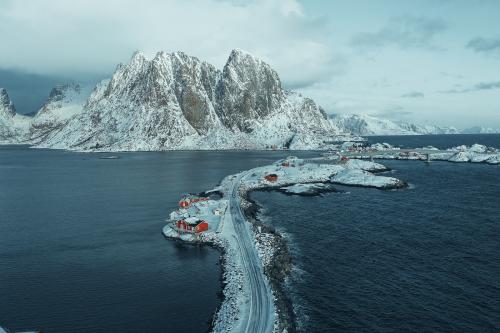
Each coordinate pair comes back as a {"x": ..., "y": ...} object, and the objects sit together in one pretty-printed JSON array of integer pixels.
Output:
[
  {"x": 175, "y": 101},
  {"x": 64, "y": 102},
  {"x": 12, "y": 125},
  {"x": 361, "y": 124}
]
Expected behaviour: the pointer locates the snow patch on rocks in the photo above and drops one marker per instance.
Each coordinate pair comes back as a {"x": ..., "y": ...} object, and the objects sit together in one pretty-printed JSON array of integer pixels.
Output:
[
  {"x": 358, "y": 177},
  {"x": 365, "y": 165},
  {"x": 294, "y": 175}
]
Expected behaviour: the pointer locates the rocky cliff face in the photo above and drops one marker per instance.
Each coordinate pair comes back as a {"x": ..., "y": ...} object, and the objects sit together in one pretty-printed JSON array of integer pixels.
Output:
[
  {"x": 12, "y": 125},
  {"x": 175, "y": 101},
  {"x": 249, "y": 91},
  {"x": 64, "y": 102},
  {"x": 7, "y": 108}
]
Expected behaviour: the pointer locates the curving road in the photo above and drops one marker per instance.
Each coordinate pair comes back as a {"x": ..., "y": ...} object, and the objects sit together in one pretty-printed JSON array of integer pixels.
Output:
[{"x": 260, "y": 317}]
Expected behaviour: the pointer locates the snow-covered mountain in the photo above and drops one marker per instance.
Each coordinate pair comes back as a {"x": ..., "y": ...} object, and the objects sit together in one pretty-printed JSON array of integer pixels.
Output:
[
  {"x": 64, "y": 102},
  {"x": 480, "y": 130},
  {"x": 361, "y": 124},
  {"x": 12, "y": 125},
  {"x": 176, "y": 101}
]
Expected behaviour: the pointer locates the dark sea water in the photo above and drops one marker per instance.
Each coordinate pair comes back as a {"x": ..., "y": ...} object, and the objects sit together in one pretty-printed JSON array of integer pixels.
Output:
[
  {"x": 81, "y": 248},
  {"x": 425, "y": 259}
]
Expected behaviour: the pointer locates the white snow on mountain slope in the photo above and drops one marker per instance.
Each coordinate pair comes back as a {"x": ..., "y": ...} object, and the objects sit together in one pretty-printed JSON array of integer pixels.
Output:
[
  {"x": 64, "y": 102},
  {"x": 12, "y": 125},
  {"x": 361, "y": 124},
  {"x": 176, "y": 101}
]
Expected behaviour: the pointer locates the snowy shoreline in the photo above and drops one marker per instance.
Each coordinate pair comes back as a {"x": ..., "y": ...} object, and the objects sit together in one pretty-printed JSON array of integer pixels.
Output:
[
  {"x": 274, "y": 258},
  {"x": 475, "y": 153}
]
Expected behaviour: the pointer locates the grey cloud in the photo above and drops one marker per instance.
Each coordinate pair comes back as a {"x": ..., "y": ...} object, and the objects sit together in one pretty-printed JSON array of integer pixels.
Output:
[
  {"x": 403, "y": 32},
  {"x": 477, "y": 87},
  {"x": 413, "y": 94},
  {"x": 452, "y": 75},
  {"x": 80, "y": 39},
  {"x": 29, "y": 91},
  {"x": 480, "y": 44},
  {"x": 393, "y": 111}
]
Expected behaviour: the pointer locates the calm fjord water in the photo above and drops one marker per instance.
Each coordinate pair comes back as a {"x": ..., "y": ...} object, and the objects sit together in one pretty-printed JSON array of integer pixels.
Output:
[
  {"x": 81, "y": 248},
  {"x": 425, "y": 259}
]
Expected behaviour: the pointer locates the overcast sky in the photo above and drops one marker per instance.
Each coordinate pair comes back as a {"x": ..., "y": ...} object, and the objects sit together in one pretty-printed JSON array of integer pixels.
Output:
[{"x": 428, "y": 61}]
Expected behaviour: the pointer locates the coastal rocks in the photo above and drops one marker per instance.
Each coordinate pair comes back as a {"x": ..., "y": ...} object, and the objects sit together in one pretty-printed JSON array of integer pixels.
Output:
[
  {"x": 356, "y": 177},
  {"x": 276, "y": 260},
  {"x": 310, "y": 189},
  {"x": 476, "y": 153},
  {"x": 291, "y": 174},
  {"x": 365, "y": 165}
]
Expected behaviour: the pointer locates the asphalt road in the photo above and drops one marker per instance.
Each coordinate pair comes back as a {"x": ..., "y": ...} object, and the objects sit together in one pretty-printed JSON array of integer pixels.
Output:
[{"x": 260, "y": 317}]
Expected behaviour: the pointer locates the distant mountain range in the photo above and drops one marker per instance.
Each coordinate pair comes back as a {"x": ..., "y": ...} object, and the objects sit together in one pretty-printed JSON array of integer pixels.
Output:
[
  {"x": 365, "y": 125},
  {"x": 175, "y": 101}
]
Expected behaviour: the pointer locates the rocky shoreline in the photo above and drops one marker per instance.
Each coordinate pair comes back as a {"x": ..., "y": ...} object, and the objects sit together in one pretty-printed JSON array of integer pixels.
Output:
[
  {"x": 278, "y": 268},
  {"x": 292, "y": 175}
]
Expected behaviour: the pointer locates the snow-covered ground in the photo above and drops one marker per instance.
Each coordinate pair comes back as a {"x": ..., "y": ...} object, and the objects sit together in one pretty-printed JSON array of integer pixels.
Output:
[
  {"x": 359, "y": 177},
  {"x": 476, "y": 153},
  {"x": 365, "y": 165},
  {"x": 245, "y": 282},
  {"x": 307, "y": 189}
]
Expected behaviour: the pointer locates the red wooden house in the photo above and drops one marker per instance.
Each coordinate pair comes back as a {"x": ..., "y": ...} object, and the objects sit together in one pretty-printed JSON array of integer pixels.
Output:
[
  {"x": 192, "y": 224},
  {"x": 188, "y": 200},
  {"x": 271, "y": 177}
]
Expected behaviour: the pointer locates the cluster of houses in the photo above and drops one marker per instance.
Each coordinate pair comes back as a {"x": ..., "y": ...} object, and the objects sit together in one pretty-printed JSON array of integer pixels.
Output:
[
  {"x": 187, "y": 200},
  {"x": 191, "y": 224}
]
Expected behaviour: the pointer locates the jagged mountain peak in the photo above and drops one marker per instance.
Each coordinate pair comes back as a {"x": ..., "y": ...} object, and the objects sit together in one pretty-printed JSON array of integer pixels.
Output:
[
  {"x": 138, "y": 57},
  {"x": 239, "y": 55},
  {"x": 176, "y": 101},
  {"x": 61, "y": 91},
  {"x": 6, "y": 105},
  {"x": 12, "y": 125},
  {"x": 242, "y": 66},
  {"x": 63, "y": 102},
  {"x": 249, "y": 91}
]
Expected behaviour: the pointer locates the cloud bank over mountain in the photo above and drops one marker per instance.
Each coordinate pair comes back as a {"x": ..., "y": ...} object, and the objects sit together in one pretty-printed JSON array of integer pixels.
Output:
[{"x": 365, "y": 55}]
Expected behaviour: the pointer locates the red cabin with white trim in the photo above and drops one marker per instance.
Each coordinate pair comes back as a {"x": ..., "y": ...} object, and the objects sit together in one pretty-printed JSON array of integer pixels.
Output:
[{"x": 192, "y": 224}]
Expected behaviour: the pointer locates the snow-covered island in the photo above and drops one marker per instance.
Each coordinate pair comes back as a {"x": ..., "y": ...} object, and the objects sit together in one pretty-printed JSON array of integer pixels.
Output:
[
  {"x": 477, "y": 153},
  {"x": 255, "y": 258}
]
